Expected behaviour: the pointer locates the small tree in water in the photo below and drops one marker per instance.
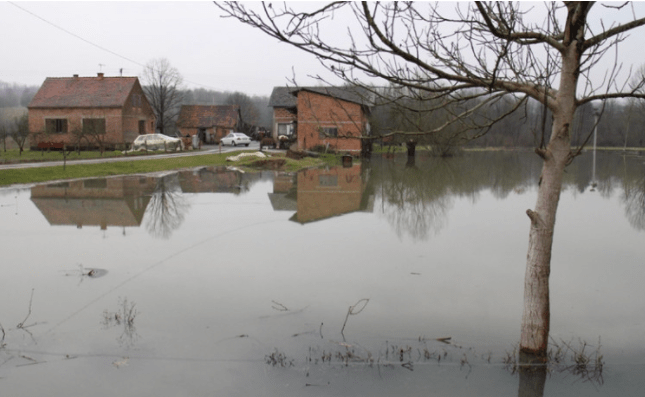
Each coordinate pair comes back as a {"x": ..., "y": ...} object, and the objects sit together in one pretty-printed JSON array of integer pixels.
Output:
[{"x": 475, "y": 50}]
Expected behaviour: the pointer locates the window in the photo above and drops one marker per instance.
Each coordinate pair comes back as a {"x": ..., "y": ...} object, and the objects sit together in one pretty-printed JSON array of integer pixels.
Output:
[
  {"x": 94, "y": 126},
  {"x": 56, "y": 126},
  {"x": 99, "y": 183},
  {"x": 328, "y": 180},
  {"x": 136, "y": 100},
  {"x": 142, "y": 127},
  {"x": 285, "y": 129},
  {"x": 327, "y": 132}
]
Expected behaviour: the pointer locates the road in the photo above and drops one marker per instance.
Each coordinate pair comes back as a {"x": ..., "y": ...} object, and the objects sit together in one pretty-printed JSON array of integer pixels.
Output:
[{"x": 206, "y": 149}]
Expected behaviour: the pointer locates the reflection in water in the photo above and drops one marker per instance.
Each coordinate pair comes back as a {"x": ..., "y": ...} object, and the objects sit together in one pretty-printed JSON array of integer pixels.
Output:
[
  {"x": 532, "y": 376},
  {"x": 123, "y": 201},
  {"x": 102, "y": 202},
  {"x": 634, "y": 197},
  {"x": 416, "y": 200},
  {"x": 123, "y": 318},
  {"x": 318, "y": 194},
  {"x": 167, "y": 207},
  {"x": 579, "y": 362},
  {"x": 411, "y": 202}
]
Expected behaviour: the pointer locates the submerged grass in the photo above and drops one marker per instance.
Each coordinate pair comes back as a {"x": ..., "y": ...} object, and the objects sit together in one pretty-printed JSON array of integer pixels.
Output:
[{"x": 43, "y": 174}]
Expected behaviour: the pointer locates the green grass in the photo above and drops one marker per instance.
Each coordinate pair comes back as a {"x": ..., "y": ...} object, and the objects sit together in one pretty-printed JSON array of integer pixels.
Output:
[
  {"x": 31, "y": 156},
  {"x": 43, "y": 174}
]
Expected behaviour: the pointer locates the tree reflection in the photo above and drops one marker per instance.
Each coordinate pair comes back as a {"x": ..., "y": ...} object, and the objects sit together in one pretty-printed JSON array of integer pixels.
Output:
[
  {"x": 634, "y": 196},
  {"x": 416, "y": 199},
  {"x": 562, "y": 357},
  {"x": 414, "y": 205},
  {"x": 123, "y": 318},
  {"x": 167, "y": 207}
]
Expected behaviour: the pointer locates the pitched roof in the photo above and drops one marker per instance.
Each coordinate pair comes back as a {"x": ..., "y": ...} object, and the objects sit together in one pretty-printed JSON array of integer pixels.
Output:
[
  {"x": 286, "y": 96},
  {"x": 208, "y": 116},
  {"x": 282, "y": 97},
  {"x": 73, "y": 92}
]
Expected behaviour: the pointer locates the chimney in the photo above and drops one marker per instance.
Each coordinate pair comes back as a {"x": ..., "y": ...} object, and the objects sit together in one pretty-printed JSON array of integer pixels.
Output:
[
  {"x": 100, "y": 75},
  {"x": 75, "y": 76}
]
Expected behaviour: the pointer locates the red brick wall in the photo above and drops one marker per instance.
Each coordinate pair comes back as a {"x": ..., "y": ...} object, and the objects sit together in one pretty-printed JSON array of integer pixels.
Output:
[
  {"x": 74, "y": 117},
  {"x": 316, "y": 111},
  {"x": 135, "y": 111}
]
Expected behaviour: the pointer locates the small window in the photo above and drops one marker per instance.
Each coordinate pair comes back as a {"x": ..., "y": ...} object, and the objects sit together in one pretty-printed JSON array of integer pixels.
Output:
[
  {"x": 56, "y": 126},
  {"x": 142, "y": 127},
  {"x": 328, "y": 180},
  {"x": 327, "y": 132},
  {"x": 285, "y": 129},
  {"x": 94, "y": 126}
]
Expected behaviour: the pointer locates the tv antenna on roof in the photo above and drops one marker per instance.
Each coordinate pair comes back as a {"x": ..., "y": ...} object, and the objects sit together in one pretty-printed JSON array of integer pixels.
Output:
[{"x": 101, "y": 67}]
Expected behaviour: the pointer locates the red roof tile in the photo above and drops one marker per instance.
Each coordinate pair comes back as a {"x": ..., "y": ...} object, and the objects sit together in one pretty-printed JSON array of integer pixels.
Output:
[{"x": 85, "y": 92}]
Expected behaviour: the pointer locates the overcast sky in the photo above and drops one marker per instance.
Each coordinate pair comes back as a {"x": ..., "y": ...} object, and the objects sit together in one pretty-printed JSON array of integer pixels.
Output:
[
  {"x": 59, "y": 39},
  {"x": 209, "y": 51}
]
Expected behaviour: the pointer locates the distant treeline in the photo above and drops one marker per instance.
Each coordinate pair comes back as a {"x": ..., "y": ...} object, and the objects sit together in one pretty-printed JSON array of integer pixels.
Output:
[
  {"x": 525, "y": 123},
  {"x": 16, "y": 95}
]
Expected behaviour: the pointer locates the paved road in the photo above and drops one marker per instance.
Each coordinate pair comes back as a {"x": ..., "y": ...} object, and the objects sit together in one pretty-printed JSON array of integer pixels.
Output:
[{"x": 206, "y": 149}]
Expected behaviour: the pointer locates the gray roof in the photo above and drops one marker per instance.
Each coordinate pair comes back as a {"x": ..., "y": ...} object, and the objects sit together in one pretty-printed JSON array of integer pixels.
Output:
[{"x": 285, "y": 97}]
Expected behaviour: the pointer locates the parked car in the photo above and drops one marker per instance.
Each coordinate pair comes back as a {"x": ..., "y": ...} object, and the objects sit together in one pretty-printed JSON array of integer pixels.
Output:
[
  {"x": 235, "y": 139},
  {"x": 157, "y": 142}
]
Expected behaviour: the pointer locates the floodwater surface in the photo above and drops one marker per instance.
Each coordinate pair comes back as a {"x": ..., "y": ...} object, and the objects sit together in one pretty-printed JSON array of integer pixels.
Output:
[{"x": 378, "y": 279}]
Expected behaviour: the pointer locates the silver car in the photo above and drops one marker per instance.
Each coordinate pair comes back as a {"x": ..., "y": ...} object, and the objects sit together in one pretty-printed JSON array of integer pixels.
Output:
[
  {"x": 157, "y": 142},
  {"x": 235, "y": 139}
]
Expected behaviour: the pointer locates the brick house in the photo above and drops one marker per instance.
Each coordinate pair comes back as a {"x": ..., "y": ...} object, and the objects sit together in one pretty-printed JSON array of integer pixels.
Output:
[
  {"x": 320, "y": 116},
  {"x": 210, "y": 123},
  {"x": 113, "y": 110}
]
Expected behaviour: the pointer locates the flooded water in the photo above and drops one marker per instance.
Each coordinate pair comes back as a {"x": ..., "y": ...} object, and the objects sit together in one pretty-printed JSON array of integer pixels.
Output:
[{"x": 378, "y": 279}]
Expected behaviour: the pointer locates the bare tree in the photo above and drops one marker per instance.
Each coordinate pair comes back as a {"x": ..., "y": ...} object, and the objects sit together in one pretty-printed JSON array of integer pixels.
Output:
[
  {"x": 20, "y": 131},
  {"x": 462, "y": 50},
  {"x": 162, "y": 85}
]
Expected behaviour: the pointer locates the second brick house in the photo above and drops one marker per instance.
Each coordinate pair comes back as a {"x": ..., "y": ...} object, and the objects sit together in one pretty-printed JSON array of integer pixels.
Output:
[
  {"x": 334, "y": 117},
  {"x": 89, "y": 111},
  {"x": 209, "y": 123}
]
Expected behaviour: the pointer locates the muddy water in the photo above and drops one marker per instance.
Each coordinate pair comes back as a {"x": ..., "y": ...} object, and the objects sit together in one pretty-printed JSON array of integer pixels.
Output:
[{"x": 379, "y": 280}]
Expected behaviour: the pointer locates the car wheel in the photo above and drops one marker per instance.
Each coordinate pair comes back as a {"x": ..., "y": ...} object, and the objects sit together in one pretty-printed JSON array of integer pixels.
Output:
[
  {"x": 246, "y": 145},
  {"x": 234, "y": 144}
]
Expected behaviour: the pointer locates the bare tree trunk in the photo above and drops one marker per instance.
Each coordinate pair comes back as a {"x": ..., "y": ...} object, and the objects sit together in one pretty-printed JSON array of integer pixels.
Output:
[{"x": 557, "y": 155}]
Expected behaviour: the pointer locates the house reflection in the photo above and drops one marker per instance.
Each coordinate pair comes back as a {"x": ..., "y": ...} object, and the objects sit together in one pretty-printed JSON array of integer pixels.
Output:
[
  {"x": 215, "y": 180},
  {"x": 99, "y": 202},
  {"x": 124, "y": 201},
  {"x": 317, "y": 194}
]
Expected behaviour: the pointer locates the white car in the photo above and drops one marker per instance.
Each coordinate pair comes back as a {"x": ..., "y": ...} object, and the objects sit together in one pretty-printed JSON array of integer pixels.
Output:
[
  {"x": 235, "y": 139},
  {"x": 157, "y": 142}
]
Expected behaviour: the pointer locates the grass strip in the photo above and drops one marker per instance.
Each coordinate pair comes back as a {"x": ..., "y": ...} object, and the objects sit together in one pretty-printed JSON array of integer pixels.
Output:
[{"x": 43, "y": 174}]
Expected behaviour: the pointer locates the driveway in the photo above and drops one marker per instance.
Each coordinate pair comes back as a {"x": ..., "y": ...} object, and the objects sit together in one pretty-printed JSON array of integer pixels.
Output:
[{"x": 206, "y": 149}]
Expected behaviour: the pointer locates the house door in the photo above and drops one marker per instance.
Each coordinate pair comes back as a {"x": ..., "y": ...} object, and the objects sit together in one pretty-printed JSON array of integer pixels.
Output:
[{"x": 201, "y": 133}]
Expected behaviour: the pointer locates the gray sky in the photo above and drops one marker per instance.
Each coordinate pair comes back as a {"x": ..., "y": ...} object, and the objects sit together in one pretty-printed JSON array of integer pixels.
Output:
[
  {"x": 209, "y": 51},
  {"x": 59, "y": 39}
]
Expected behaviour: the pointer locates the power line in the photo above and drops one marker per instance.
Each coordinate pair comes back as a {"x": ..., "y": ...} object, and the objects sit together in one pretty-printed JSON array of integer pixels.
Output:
[
  {"x": 75, "y": 35},
  {"x": 93, "y": 44}
]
